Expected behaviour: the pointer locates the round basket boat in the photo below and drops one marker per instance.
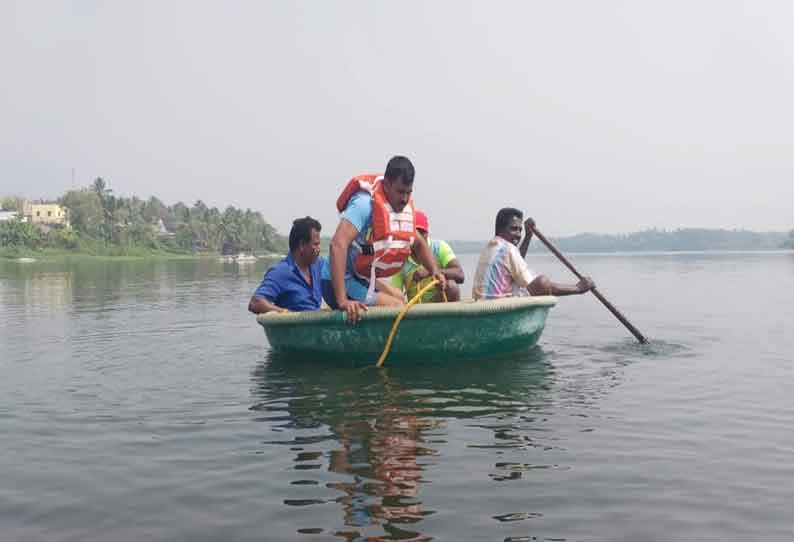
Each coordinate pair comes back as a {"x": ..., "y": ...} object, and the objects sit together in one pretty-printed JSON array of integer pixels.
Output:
[{"x": 428, "y": 332}]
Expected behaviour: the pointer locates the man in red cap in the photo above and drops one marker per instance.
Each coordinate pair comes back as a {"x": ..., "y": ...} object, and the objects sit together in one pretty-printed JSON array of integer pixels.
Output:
[{"x": 413, "y": 277}]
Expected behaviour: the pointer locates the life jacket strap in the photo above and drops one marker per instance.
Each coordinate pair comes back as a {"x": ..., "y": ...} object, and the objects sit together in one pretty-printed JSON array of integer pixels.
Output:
[{"x": 367, "y": 249}]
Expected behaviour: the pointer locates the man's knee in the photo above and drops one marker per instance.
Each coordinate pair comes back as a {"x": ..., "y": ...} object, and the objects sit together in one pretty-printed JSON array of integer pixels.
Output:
[
  {"x": 453, "y": 291},
  {"x": 383, "y": 299}
]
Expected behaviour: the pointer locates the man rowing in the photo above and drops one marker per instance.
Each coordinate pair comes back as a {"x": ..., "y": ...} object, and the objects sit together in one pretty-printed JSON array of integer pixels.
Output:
[{"x": 502, "y": 271}]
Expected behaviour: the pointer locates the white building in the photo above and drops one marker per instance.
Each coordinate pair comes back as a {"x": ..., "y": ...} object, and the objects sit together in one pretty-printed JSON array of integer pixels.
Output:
[{"x": 11, "y": 215}]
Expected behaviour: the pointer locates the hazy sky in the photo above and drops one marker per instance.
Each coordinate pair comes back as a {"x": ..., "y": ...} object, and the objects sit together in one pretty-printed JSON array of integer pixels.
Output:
[{"x": 591, "y": 116}]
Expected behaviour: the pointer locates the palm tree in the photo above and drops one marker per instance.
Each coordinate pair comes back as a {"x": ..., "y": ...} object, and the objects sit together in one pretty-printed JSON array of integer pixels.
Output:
[{"x": 100, "y": 187}]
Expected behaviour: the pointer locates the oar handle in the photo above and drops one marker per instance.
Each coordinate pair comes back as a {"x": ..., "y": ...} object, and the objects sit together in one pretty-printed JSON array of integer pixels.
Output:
[
  {"x": 556, "y": 252},
  {"x": 634, "y": 331}
]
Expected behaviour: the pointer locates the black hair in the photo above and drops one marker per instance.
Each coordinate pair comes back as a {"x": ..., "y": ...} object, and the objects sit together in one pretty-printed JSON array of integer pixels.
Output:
[
  {"x": 301, "y": 231},
  {"x": 504, "y": 217},
  {"x": 400, "y": 169}
]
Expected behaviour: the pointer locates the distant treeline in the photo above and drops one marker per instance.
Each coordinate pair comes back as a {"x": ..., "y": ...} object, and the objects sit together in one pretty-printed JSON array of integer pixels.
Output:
[
  {"x": 657, "y": 240},
  {"x": 102, "y": 223}
]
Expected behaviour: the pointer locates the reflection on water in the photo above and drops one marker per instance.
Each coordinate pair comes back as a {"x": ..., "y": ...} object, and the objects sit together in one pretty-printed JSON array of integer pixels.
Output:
[
  {"x": 138, "y": 402},
  {"x": 37, "y": 287},
  {"x": 385, "y": 428}
]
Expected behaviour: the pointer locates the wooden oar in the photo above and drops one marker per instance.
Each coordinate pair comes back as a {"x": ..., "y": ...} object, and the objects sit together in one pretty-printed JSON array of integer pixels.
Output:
[{"x": 601, "y": 298}]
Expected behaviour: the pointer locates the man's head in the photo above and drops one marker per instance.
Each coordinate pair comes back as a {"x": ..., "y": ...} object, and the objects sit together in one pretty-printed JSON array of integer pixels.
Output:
[
  {"x": 398, "y": 182},
  {"x": 422, "y": 224},
  {"x": 304, "y": 239},
  {"x": 509, "y": 224}
]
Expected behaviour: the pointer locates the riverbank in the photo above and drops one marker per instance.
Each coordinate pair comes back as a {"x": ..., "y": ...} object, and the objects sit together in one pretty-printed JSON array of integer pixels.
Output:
[{"x": 62, "y": 255}]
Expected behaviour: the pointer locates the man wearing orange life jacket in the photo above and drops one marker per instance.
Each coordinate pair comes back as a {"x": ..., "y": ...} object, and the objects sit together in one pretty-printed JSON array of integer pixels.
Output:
[{"x": 375, "y": 236}]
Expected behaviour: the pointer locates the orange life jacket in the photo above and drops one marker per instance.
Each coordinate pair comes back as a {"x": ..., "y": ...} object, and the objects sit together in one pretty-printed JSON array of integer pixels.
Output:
[{"x": 391, "y": 236}]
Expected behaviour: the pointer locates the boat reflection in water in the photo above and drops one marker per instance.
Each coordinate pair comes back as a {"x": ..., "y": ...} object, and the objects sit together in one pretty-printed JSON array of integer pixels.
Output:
[{"x": 383, "y": 430}]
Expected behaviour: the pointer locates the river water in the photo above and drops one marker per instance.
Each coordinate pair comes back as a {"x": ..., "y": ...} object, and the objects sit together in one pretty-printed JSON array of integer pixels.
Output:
[{"x": 139, "y": 401}]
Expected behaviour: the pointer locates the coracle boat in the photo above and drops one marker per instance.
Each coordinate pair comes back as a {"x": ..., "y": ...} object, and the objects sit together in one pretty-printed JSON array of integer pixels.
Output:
[{"x": 428, "y": 332}]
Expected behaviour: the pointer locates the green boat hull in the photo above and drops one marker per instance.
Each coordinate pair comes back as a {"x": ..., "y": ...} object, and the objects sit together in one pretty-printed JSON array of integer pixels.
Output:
[{"x": 428, "y": 332}]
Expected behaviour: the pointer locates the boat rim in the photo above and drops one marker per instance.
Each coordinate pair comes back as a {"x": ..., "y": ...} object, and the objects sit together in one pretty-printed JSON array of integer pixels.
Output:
[{"x": 467, "y": 307}]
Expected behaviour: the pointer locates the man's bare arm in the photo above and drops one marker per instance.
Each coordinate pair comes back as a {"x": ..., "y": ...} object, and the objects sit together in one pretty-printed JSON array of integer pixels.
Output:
[
  {"x": 529, "y": 226},
  {"x": 340, "y": 243},
  {"x": 260, "y": 305},
  {"x": 422, "y": 253}
]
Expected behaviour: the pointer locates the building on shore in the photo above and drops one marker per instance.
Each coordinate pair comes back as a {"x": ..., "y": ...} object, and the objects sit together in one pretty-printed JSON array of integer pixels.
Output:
[{"x": 50, "y": 214}]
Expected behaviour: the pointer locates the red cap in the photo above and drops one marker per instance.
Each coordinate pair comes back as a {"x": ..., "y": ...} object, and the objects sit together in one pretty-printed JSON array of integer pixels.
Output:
[{"x": 421, "y": 221}]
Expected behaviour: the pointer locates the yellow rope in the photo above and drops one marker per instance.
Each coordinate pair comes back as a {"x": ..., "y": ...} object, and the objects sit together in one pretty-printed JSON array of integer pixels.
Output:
[
  {"x": 400, "y": 316},
  {"x": 411, "y": 283}
]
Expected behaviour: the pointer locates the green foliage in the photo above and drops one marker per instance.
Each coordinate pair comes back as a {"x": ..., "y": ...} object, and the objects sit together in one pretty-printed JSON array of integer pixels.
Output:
[
  {"x": 18, "y": 234},
  {"x": 63, "y": 238},
  {"x": 85, "y": 211},
  {"x": 104, "y": 224},
  {"x": 11, "y": 203}
]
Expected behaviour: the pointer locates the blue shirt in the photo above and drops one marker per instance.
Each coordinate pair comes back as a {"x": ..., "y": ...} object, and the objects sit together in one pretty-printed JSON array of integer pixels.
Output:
[
  {"x": 359, "y": 213},
  {"x": 284, "y": 285}
]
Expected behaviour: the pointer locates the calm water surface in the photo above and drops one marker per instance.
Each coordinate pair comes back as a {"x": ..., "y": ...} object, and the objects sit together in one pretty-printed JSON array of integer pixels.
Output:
[{"x": 139, "y": 401}]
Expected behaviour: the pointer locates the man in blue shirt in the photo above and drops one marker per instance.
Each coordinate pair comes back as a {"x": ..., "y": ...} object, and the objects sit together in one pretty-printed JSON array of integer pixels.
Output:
[{"x": 294, "y": 283}]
